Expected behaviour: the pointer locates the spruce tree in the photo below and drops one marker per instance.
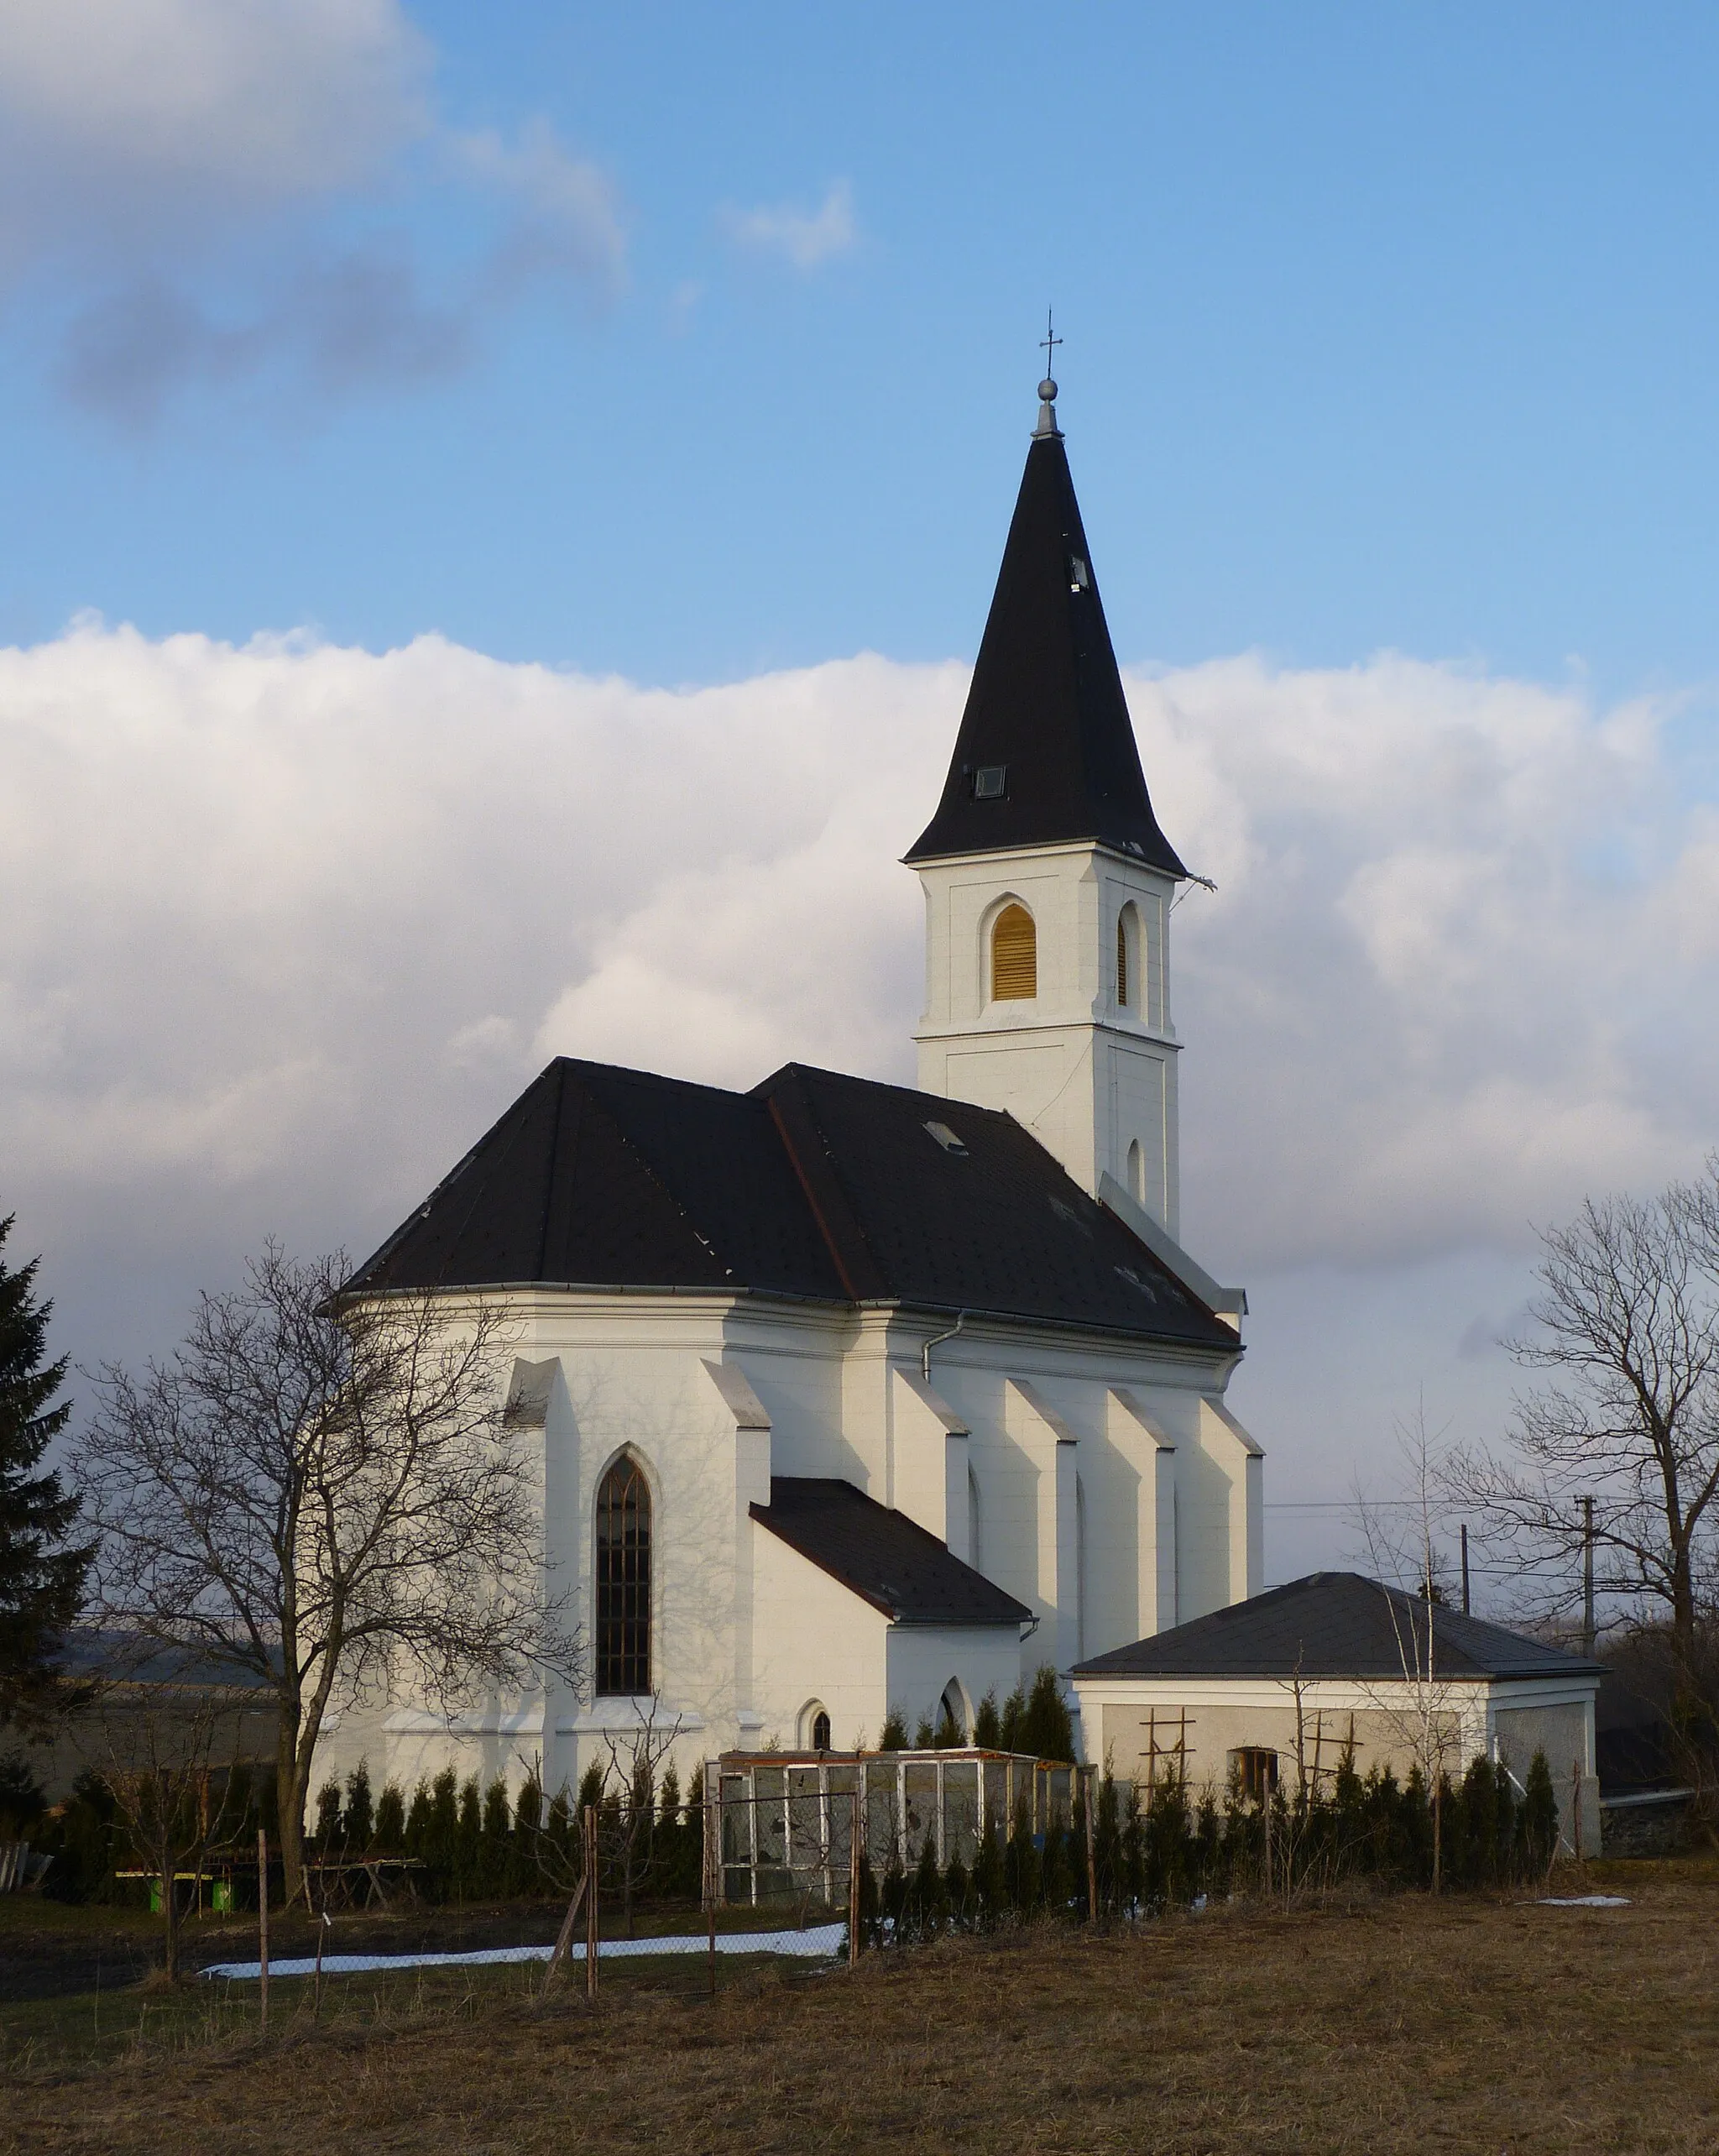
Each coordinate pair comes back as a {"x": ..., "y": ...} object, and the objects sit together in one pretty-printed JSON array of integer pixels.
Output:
[{"x": 42, "y": 1573}]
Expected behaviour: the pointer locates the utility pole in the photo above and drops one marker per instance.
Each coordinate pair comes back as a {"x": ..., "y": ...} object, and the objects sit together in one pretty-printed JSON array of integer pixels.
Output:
[
  {"x": 1465, "y": 1610},
  {"x": 1587, "y": 1577}
]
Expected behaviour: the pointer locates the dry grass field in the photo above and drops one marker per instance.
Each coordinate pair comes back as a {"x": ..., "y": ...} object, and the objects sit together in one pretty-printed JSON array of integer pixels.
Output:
[{"x": 1382, "y": 2025}]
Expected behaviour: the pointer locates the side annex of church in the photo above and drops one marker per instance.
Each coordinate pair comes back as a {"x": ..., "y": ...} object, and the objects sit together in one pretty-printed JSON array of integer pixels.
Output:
[{"x": 844, "y": 1397}]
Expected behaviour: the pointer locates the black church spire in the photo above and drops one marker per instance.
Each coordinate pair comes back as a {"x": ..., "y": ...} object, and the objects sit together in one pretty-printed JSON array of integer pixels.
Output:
[{"x": 1046, "y": 752}]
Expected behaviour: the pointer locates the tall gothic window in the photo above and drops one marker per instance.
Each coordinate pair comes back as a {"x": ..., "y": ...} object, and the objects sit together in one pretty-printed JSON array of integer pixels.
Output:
[
  {"x": 1013, "y": 956},
  {"x": 1122, "y": 961},
  {"x": 623, "y": 1579}
]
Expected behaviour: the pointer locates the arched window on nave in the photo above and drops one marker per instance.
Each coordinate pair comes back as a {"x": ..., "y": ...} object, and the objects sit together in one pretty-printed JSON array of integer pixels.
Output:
[{"x": 623, "y": 1579}]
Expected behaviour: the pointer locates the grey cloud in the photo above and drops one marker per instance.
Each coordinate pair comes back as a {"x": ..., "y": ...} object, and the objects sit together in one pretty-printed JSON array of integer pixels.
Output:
[
  {"x": 165, "y": 165},
  {"x": 359, "y": 322}
]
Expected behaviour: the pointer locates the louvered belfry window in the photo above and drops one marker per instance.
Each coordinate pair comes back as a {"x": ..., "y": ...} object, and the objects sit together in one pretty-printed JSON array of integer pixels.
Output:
[
  {"x": 1013, "y": 956},
  {"x": 1121, "y": 962},
  {"x": 624, "y": 1580}
]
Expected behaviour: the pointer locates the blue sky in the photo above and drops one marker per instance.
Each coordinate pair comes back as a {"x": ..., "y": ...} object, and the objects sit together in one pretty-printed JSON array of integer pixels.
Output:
[
  {"x": 696, "y": 347},
  {"x": 1385, "y": 328}
]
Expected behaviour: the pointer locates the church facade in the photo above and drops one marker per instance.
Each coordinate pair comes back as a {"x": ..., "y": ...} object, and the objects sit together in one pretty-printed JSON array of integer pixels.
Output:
[{"x": 845, "y": 1397}]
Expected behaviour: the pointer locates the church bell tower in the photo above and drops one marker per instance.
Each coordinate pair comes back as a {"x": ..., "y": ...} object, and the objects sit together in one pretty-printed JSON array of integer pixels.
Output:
[{"x": 1047, "y": 882}]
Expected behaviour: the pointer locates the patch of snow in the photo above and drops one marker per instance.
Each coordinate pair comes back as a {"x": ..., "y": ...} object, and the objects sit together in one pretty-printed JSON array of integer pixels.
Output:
[
  {"x": 1583, "y": 1902},
  {"x": 815, "y": 1943}
]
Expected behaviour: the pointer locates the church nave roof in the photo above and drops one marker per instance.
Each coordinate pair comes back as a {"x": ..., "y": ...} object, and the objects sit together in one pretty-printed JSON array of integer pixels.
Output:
[{"x": 813, "y": 1184}]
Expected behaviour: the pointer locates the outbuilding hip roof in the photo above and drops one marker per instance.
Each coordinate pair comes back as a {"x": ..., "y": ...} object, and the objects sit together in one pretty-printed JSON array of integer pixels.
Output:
[{"x": 1339, "y": 1624}]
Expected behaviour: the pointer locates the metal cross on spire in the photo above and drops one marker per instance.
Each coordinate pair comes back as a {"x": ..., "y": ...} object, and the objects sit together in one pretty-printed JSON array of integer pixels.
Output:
[{"x": 1047, "y": 388}]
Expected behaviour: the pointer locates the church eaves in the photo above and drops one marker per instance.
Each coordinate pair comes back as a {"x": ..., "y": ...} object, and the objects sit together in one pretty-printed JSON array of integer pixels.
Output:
[{"x": 1046, "y": 751}]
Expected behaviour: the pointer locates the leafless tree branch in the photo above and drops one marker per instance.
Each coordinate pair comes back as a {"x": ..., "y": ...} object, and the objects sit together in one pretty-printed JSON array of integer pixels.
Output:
[{"x": 327, "y": 1491}]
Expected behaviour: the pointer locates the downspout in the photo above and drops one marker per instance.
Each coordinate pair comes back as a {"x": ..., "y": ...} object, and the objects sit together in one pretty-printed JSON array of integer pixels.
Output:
[{"x": 936, "y": 1340}]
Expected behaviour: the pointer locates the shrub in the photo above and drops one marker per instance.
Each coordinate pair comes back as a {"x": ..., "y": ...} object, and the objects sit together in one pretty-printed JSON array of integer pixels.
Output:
[
  {"x": 420, "y": 1835},
  {"x": 80, "y": 1838},
  {"x": 990, "y": 1880},
  {"x": 356, "y": 1820},
  {"x": 327, "y": 1828},
  {"x": 1539, "y": 1819},
  {"x": 1045, "y": 1726},
  {"x": 495, "y": 1863},
  {"x": 390, "y": 1834}
]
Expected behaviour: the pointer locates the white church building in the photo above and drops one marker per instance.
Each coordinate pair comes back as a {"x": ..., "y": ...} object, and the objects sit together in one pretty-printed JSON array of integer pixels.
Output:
[{"x": 847, "y": 1397}]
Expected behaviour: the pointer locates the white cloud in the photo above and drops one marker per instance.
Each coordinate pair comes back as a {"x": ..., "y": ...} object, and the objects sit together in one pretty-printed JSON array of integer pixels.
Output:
[
  {"x": 569, "y": 205},
  {"x": 112, "y": 111},
  {"x": 803, "y": 238},
  {"x": 282, "y": 927}
]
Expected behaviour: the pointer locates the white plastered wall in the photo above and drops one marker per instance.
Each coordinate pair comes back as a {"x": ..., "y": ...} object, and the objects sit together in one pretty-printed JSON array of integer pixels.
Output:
[
  {"x": 817, "y": 1641},
  {"x": 812, "y": 1391},
  {"x": 1502, "y": 1718},
  {"x": 1088, "y": 1075},
  {"x": 922, "y": 1658}
]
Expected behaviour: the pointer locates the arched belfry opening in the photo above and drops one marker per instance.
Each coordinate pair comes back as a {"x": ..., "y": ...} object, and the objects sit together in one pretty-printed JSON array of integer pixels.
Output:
[
  {"x": 1014, "y": 955},
  {"x": 623, "y": 1580},
  {"x": 1130, "y": 974}
]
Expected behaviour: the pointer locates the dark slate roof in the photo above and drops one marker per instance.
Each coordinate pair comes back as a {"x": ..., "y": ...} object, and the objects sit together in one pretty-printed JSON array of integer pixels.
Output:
[
  {"x": 813, "y": 1184},
  {"x": 889, "y": 1560},
  {"x": 85, "y": 1654},
  {"x": 1336, "y": 1625},
  {"x": 1045, "y": 701}
]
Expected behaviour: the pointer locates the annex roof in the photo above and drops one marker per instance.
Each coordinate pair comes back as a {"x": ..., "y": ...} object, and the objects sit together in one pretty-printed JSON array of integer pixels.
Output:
[
  {"x": 813, "y": 1184},
  {"x": 889, "y": 1560},
  {"x": 1046, "y": 722},
  {"x": 1338, "y": 1625}
]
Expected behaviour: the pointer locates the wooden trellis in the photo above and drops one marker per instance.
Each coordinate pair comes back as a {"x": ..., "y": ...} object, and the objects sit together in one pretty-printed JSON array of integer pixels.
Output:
[{"x": 785, "y": 1820}]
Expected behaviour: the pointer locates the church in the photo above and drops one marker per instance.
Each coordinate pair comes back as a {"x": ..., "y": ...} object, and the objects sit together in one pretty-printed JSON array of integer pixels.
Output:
[{"x": 848, "y": 1398}]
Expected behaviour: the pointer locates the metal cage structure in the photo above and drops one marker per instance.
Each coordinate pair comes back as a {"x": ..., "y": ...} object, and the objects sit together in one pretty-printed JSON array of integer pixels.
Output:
[{"x": 785, "y": 1820}]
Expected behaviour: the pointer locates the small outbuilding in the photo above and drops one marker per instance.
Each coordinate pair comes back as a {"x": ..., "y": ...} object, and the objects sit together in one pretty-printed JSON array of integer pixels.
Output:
[{"x": 1276, "y": 1687}]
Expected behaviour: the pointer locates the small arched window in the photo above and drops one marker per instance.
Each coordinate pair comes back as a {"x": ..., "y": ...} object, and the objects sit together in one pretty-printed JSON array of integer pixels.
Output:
[
  {"x": 1130, "y": 961},
  {"x": 624, "y": 1580},
  {"x": 952, "y": 1716},
  {"x": 1013, "y": 956},
  {"x": 976, "y": 1524},
  {"x": 1137, "y": 1173},
  {"x": 820, "y": 1731},
  {"x": 1080, "y": 1567}
]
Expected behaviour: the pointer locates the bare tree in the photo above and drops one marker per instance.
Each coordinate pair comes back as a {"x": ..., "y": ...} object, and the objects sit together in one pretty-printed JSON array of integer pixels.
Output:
[
  {"x": 628, "y": 1821},
  {"x": 1627, "y": 1326},
  {"x": 1422, "y": 1712},
  {"x": 327, "y": 1491},
  {"x": 166, "y": 1751}
]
